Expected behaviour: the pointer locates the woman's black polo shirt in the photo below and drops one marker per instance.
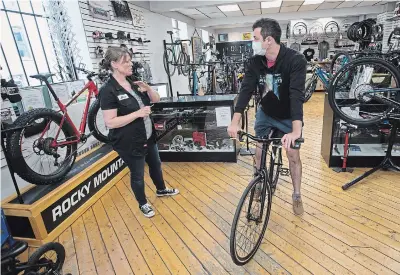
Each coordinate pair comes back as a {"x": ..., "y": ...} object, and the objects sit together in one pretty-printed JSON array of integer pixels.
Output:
[{"x": 131, "y": 138}]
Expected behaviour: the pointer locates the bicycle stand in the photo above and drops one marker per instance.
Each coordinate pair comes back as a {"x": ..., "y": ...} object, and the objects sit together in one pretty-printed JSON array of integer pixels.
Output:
[{"x": 387, "y": 162}]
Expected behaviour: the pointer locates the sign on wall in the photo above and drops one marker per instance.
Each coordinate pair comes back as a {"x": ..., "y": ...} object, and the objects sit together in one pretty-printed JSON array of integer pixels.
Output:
[
  {"x": 246, "y": 36},
  {"x": 223, "y": 37},
  {"x": 99, "y": 9}
]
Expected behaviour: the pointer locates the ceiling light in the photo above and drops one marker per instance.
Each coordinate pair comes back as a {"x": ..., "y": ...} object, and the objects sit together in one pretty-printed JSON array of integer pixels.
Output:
[
  {"x": 271, "y": 4},
  {"x": 228, "y": 8},
  {"x": 312, "y": 2}
]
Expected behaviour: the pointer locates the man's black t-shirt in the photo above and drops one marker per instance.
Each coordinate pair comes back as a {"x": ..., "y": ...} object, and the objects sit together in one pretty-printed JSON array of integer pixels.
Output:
[
  {"x": 132, "y": 137},
  {"x": 286, "y": 80},
  {"x": 309, "y": 54}
]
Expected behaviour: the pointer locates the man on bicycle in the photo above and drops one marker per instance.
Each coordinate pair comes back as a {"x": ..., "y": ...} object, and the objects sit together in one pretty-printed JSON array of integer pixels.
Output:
[{"x": 283, "y": 73}]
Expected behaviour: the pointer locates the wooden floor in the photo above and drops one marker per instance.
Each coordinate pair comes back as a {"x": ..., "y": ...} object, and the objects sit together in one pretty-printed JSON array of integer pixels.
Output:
[{"x": 352, "y": 232}]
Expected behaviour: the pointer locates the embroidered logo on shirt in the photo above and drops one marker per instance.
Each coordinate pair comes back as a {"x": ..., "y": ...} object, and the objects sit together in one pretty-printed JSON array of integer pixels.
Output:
[{"x": 121, "y": 97}]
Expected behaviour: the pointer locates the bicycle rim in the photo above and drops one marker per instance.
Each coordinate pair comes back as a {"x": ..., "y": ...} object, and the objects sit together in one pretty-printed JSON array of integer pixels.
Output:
[
  {"x": 362, "y": 100},
  {"x": 169, "y": 60},
  {"x": 247, "y": 230}
]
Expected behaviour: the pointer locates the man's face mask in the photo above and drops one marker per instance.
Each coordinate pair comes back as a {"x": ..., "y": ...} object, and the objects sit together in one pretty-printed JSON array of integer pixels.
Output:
[{"x": 257, "y": 48}]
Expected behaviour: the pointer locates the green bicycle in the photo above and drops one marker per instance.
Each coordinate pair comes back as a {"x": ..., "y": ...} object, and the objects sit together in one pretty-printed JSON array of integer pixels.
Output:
[{"x": 175, "y": 56}]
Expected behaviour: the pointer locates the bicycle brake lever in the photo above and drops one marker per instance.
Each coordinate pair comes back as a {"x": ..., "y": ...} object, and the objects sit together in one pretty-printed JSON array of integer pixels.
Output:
[{"x": 297, "y": 143}]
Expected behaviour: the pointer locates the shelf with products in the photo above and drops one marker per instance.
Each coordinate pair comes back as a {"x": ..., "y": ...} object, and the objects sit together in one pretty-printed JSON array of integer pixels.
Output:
[
  {"x": 194, "y": 128},
  {"x": 367, "y": 145}
]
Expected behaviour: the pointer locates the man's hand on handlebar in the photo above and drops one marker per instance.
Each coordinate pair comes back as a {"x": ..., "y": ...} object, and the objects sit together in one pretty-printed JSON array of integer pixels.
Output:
[
  {"x": 289, "y": 140},
  {"x": 234, "y": 129}
]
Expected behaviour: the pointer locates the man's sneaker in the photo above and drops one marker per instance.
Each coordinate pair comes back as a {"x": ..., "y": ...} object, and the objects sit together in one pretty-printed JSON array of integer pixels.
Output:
[
  {"x": 147, "y": 210},
  {"x": 167, "y": 192},
  {"x": 297, "y": 205}
]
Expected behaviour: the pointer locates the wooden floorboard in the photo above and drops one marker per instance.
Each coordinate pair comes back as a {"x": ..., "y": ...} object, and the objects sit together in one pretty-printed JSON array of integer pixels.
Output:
[{"x": 341, "y": 232}]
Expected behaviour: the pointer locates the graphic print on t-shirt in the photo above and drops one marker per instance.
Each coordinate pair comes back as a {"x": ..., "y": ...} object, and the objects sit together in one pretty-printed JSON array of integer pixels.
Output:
[
  {"x": 271, "y": 83},
  {"x": 309, "y": 54}
]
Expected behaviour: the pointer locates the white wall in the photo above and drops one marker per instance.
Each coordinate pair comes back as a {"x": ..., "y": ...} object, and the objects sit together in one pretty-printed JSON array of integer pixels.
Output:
[{"x": 236, "y": 33}]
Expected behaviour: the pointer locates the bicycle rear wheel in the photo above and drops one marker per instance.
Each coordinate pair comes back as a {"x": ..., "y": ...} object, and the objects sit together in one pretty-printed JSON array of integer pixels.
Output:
[
  {"x": 365, "y": 98},
  {"x": 34, "y": 158},
  {"x": 169, "y": 60},
  {"x": 250, "y": 222}
]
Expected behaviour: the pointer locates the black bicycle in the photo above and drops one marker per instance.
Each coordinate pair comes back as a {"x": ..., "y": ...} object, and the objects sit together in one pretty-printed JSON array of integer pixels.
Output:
[{"x": 252, "y": 214}]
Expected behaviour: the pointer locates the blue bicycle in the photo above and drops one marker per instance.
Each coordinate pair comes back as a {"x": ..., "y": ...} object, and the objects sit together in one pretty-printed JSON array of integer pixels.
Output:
[{"x": 311, "y": 83}]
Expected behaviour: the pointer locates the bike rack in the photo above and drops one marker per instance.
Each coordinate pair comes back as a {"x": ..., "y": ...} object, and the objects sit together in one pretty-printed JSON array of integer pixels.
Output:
[{"x": 387, "y": 161}]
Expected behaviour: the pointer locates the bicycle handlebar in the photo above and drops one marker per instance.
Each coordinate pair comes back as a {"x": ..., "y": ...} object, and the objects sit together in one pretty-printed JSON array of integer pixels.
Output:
[{"x": 265, "y": 140}]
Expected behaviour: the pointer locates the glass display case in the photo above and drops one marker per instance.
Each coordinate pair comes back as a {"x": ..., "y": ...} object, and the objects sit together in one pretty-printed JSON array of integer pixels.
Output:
[
  {"x": 367, "y": 146},
  {"x": 194, "y": 128}
]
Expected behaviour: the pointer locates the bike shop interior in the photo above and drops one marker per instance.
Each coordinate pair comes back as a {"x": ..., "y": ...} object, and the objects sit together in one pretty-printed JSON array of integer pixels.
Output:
[{"x": 79, "y": 215}]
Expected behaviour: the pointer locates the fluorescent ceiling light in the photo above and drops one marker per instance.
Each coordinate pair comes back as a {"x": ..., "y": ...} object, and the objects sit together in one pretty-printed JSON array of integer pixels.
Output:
[
  {"x": 312, "y": 2},
  {"x": 229, "y": 8},
  {"x": 271, "y": 4}
]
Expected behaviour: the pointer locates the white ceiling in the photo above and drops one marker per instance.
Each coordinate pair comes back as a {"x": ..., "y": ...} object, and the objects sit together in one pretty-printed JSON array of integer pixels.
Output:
[{"x": 273, "y": 7}]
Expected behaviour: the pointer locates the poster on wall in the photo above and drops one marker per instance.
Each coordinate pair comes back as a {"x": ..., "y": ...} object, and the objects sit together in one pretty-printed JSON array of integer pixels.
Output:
[
  {"x": 246, "y": 36},
  {"x": 223, "y": 37},
  {"x": 99, "y": 9},
  {"x": 197, "y": 48},
  {"x": 32, "y": 98},
  {"x": 121, "y": 9},
  {"x": 62, "y": 92}
]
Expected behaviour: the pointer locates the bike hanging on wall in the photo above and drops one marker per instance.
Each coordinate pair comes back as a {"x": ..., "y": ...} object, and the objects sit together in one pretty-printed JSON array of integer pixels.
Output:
[{"x": 46, "y": 156}]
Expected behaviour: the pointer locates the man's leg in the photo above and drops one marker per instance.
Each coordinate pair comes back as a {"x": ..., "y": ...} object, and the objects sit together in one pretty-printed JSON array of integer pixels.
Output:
[
  {"x": 262, "y": 128},
  {"x": 295, "y": 168}
]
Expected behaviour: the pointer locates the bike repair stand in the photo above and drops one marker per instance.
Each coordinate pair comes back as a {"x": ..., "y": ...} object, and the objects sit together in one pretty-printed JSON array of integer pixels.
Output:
[
  {"x": 247, "y": 151},
  {"x": 387, "y": 161},
  {"x": 344, "y": 167},
  {"x": 6, "y": 156}
]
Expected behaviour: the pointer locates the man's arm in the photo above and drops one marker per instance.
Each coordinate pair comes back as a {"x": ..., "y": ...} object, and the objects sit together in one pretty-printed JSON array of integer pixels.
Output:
[
  {"x": 296, "y": 95},
  {"x": 249, "y": 85}
]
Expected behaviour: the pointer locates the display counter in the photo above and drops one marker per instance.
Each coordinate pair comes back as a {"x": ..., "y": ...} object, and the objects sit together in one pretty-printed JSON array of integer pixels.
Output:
[
  {"x": 367, "y": 146},
  {"x": 194, "y": 128}
]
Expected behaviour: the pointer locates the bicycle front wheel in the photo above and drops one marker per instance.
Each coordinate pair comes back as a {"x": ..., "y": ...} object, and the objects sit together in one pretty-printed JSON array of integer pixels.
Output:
[
  {"x": 250, "y": 221},
  {"x": 311, "y": 85},
  {"x": 367, "y": 96}
]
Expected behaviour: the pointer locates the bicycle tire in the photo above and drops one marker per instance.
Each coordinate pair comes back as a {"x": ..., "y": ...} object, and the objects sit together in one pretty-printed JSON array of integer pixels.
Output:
[
  {"x": 310, "y": 88},
  {"x": 243, "y": 260},
  {"x": 35, "y": 258},
  {"x": 336, "y": 57},
  {"x": 92, "y": 118},
  {"x": 357, "y": 62},
  {"x": 169, "y": 54},
  {"x": 17, "y": 159},
  {"x": 183, "y": 61}
]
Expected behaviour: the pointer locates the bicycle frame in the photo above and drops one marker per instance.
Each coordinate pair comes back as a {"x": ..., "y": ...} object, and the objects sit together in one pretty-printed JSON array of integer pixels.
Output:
[
  {"x": 323, "y": 76},
  {"x": 263, "y": 173},
  {"x": 92, "y": 90}
]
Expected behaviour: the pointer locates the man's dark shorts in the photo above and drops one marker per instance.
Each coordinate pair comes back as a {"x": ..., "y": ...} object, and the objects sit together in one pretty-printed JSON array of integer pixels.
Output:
[{"x": 265, "y": 123}]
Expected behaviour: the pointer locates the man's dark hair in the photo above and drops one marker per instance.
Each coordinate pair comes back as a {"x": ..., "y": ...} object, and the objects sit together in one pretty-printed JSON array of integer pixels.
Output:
[{"x": 269, "y": 27}]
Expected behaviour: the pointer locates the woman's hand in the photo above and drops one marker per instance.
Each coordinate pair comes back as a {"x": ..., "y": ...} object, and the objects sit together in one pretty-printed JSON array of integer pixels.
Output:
[
  {"x": 143, "y": 112},
  {"x": 144, "y": 87}
]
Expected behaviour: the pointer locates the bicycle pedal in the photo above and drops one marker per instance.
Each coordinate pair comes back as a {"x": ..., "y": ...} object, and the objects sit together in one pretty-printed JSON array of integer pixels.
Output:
[{"x": 284, "y": 171}]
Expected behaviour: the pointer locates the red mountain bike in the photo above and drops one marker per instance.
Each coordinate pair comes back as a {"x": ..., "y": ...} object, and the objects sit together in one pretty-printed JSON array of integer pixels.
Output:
[{"x": 46, "y": 155}]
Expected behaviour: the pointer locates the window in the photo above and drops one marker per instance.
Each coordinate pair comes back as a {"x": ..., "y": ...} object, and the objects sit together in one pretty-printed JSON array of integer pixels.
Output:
[
  {"x": 26, "y": 45},
  {"x": 179, "y": 29}
]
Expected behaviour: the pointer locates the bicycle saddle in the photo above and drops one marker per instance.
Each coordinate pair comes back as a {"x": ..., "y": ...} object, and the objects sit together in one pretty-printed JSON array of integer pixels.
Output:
[
  {"x": 16, "y": 249},
  {"x": 42, "y": 77}
]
